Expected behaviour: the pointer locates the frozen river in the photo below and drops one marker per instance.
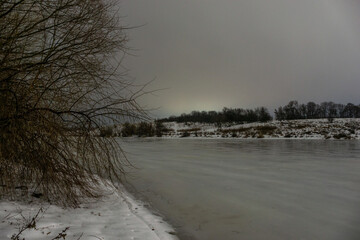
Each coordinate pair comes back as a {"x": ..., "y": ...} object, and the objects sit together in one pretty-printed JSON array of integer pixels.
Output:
[{"x": 250, "y": 189}]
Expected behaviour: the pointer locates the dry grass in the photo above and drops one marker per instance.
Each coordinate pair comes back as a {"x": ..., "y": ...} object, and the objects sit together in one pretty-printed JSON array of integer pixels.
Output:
[
  {"x": 261, "y": 130},
  {"x": 236, "y": 130},
  {"x": 189, "y": 130}
]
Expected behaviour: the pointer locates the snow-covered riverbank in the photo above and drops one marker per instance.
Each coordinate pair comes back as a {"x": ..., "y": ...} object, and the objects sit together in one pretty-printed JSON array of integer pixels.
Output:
[
  {"x": 295, "y": 129},
  {"x": 115, "y": 216}
]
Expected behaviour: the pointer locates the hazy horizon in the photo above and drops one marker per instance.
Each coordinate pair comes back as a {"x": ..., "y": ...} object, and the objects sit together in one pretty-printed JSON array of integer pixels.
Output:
[{"x": 211, "y": 54}]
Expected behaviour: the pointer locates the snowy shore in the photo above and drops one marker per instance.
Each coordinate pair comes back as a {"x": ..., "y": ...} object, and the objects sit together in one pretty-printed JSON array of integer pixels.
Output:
[
  {"x": 293, "y": 129},
  {"x": 115, "y": 216}
]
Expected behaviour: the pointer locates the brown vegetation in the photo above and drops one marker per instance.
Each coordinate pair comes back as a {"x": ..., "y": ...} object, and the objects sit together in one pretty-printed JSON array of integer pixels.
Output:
[{"x": 189, "y": 130}]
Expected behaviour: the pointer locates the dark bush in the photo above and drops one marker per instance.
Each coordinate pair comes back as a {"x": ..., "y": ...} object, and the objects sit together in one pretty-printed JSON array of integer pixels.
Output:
[
  {"x": 159, "y": 129},
  {"x": 145, "y": 129},
  {"x": 128, "y": 129},
  {"x": 106, "y": 131},
  {"x": 185, "y": 134},
  {"x": 341, "y": 135}
]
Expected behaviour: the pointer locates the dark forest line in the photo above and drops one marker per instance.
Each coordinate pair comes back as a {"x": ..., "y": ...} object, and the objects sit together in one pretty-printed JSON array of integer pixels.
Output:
[
  {"x": 293, "y": 110},
  {"x": 238, "y": 115},
  {"x": 311, "y": 110}
]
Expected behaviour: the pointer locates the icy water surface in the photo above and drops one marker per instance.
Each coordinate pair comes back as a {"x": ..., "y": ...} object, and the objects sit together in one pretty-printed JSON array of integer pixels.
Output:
[{"x": 250, "y": 189}]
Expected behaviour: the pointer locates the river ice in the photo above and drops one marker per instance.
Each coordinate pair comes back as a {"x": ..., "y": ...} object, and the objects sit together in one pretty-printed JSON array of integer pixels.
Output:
[{"x": 250, "y": 189}]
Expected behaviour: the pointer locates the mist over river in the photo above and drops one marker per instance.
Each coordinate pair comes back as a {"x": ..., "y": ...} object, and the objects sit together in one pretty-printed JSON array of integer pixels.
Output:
[{"x": 250, "y": 189}]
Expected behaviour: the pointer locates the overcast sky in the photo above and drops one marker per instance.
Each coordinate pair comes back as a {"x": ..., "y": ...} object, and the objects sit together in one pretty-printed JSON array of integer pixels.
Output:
[{"x": 244, "y": 53}]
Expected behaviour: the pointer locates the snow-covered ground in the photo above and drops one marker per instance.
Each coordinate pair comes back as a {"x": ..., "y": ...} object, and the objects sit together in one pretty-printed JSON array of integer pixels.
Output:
[
  {"x": 295, "y": 129},
  {"x": 115, "y": 216}
]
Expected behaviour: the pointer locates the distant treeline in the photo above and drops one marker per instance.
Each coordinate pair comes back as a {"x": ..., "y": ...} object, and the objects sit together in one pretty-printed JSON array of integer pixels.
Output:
[
  {"x": 311, "y": 110},
  {"x": 293, "y": 110},
  {"x": 237, "y": 115},
  {"x": 141, "y": 129}
]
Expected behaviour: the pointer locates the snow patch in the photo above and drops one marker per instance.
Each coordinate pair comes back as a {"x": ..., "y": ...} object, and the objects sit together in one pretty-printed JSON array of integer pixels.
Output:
[{"x": 115, "y": 216}]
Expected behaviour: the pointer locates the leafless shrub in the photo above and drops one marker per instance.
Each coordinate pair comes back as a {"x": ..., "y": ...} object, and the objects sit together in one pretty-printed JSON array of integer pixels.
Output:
[
  {"x": 160, "y": 128},
  {"x": 128, "y": 129},
  {"x": 330, "y": 119},
  {"x": 265, "y": 130},
  {"x": 341, "y": 136},
  {"x": 145, "y": 129},
  {"x": 60, "y": 81},
  {"x": 185, "y": 134},
  {"x": 353, "y": 125},
  {"x": 260, "y": 135},
  {"x": 106, "y": 131}
]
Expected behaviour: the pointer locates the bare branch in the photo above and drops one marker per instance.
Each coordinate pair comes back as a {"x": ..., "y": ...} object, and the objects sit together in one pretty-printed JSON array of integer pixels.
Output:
[{"x": 60, "y": 82}]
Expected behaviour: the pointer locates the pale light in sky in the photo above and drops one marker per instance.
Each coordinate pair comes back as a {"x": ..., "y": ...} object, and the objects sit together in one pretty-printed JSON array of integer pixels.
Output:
[{"x": 247, "y": 53}]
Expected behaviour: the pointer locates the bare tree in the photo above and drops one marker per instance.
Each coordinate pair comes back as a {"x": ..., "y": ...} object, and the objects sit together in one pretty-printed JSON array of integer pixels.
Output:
[{"x": 60, "y": 81}]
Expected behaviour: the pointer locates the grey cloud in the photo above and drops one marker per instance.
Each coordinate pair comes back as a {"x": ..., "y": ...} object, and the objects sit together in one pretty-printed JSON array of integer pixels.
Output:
[{"x": 211, "y": 54}]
